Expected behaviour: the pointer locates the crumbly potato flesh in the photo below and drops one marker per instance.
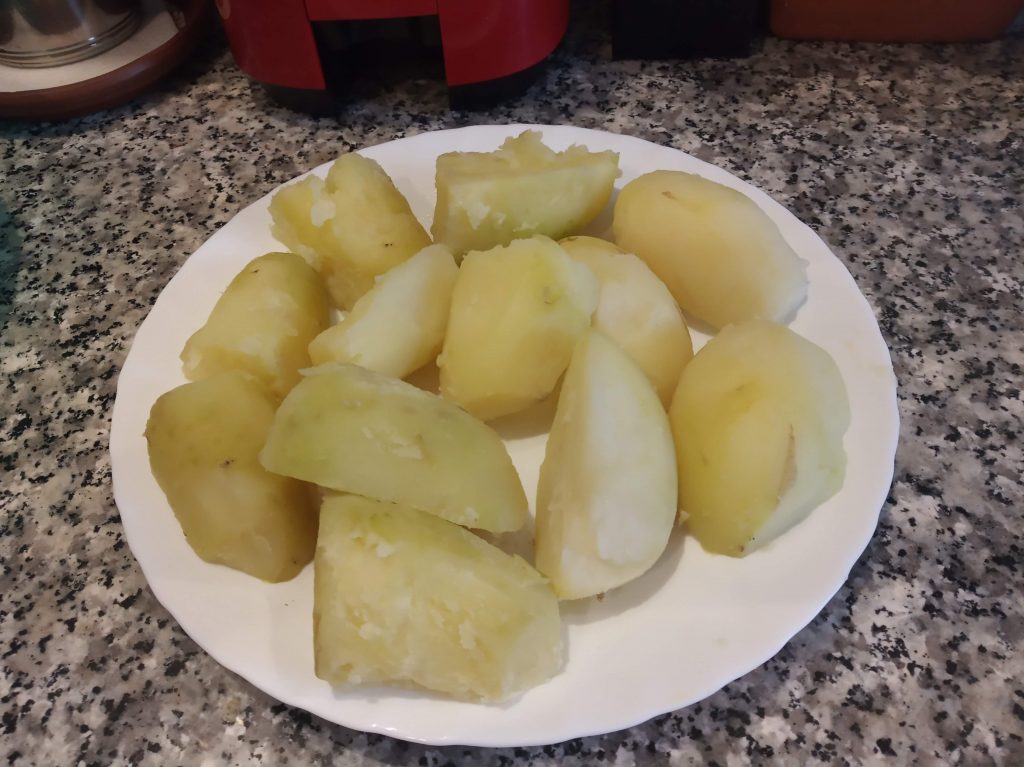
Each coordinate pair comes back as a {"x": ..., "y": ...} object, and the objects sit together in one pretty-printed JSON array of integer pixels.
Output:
[
  {"x": 352, "y": 226},
  {"x": 204, "y": 440},
  {"x": 402, "y": 596},
  {"x": 485, "y": 199}
]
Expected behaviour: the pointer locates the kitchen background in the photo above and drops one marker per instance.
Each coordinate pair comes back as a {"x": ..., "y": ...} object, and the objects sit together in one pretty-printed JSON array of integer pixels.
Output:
[{"x": 907, "y": 159}]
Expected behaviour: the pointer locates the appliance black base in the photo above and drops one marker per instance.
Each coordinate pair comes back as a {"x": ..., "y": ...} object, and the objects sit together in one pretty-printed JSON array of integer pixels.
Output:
[
  {"x": 477, "y": 96},
  {"x": 471, "y": 97},
  {"x": 683, "y": 29}
]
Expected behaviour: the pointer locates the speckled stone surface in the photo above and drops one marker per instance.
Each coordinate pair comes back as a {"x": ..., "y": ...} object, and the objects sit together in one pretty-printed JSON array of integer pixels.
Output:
[{"x": 908, "y": 160}]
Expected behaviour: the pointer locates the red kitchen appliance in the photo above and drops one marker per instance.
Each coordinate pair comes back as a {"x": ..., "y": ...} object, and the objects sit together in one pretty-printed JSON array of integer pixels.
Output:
[{"x": 488, "y": 47}]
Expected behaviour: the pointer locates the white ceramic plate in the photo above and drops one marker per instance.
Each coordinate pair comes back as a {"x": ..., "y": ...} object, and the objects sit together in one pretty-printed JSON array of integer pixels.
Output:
[{"x": 676, "y": 635}]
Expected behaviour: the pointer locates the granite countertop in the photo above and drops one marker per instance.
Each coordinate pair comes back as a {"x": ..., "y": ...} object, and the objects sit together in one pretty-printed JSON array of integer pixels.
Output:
[{"x": 907, "y": 160}]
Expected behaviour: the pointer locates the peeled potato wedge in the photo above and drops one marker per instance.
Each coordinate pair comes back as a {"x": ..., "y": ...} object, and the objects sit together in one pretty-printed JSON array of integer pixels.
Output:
[
  {"x": 262, "y": 324},
  {"x": 720, "y": 255},
  {"x": 356, "y": 431},
  {"x": 204, "y": 440},
  {"x": 636, "y": 311},
  {"x": 758, "y": 421},
  {"x": 398, "y": 327},
  {"x": 485, "y": 199},
  {"x": 517, "y": 312},
  {"x": 302, "y": 213},
  {"x": 402, "y": 596},
  {"x": 606, "y": 499},
  {"x": 353, "y": 226}
]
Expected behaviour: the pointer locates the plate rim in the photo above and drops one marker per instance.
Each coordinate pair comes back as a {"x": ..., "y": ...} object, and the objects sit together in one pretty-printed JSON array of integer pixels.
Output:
[{"x": 120, "y": 438}]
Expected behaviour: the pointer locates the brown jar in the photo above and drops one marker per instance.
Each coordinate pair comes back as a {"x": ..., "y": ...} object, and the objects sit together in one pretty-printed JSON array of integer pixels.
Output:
[{"x": 893, "y": 21}]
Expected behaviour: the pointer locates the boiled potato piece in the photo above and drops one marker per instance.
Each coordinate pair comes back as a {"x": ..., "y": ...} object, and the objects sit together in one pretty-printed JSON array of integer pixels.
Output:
[
  {"x": 606, "y": 499},
  {"x": 590, "y": 250},
  {"x": 486, "y": 199},
  {"x": 758, "y": 421},
  {"x": 517, "y": 312},
  {"x": 636, "y": 311},
  {"x": 352, "y": 227},
  {"x": 357, "y": 431},
  {"x": 397, "y": 327},
  {"x": 204, "y": 441},
  {"x": 301, "y": 215},
  {"x": 722, "y": 257},
  {"x": 262, "y": 324},
  {"x": 405, "y": 597}
]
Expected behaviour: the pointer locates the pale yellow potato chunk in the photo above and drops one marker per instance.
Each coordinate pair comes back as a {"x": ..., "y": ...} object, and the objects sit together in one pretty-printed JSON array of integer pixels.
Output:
[
  {"x": 720, "y": 255},
  {"x": 357, "y": 431},
  {"x": 204, "y": 440},
  {"x": 302, "y": 213},
  {"x": 353, "y": 226},
  {"x": 606, "y": 499},
  {"x": 590, "y": 249},
  {"x": 758, "y": 421},
  {"x": 398, "y": 327},
  {"x": 524, "y": 188},
  {"x": 517, "y": 312},
  {"x": 402, "y": 596},
  {"x": 262, "y": 324},
  {"x": 636, "y": 311}
]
